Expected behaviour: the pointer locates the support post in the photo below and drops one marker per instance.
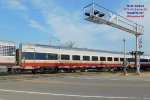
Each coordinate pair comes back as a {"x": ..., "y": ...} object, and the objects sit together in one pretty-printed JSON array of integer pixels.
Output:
[
  {"x": 125, "y": 62},
  {"x": 93, "y": 8},
  {"x": 137, "y": 56}
]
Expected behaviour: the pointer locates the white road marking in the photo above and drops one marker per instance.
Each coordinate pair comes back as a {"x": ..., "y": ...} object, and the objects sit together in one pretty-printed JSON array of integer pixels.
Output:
[
  {"x": 147, "y": 80},
  {"x": 96, "y": 78},
  {"x": 109, "y": 78},
  {"x": 114, "y": 79},
  {"x": 146, "y": 98},
  {"x": 67, "y": 95},
  {"x": 86, "y": 78}
]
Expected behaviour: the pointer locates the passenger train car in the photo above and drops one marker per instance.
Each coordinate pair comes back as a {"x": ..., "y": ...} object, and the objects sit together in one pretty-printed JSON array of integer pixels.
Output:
[
  {"x": 38, "y": 57},
  {"x": 42, "y": 56},
  {"x": 145, "y": 62},
  {"x": 7, "y": 54}
]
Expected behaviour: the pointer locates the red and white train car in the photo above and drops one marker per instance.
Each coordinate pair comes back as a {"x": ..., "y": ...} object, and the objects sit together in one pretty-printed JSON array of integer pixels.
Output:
[
  {"x": 145, "y": 62},
  {"x": 34, "y": 56},
  {"x": 7, "y": 54}
]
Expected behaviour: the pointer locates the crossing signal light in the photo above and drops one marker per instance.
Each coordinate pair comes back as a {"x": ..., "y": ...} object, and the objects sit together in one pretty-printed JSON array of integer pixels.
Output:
[
  {"x": 87, "y": 13},
  {"x": 96, "y": 12},
  {"x": 101, "y": 14}
]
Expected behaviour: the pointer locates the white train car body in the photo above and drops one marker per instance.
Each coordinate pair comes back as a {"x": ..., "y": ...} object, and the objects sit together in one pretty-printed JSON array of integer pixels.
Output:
[
  {"x": 7, "y": 54},
  {"x": 36, "y": 56},
  {"x": 145, "y": 61}
]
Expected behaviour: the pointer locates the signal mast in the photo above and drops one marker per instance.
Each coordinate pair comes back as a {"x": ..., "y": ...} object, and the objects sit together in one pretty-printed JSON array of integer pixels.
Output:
[{"x": 100, "y": 15}]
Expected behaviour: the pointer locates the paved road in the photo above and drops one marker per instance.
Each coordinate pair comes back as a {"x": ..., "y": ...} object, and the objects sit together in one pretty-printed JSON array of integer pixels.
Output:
[{"x": 74, "y": 87}]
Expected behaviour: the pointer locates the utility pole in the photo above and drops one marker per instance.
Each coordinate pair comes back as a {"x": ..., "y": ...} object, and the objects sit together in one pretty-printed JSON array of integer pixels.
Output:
[{"x": 125, "y": 62}]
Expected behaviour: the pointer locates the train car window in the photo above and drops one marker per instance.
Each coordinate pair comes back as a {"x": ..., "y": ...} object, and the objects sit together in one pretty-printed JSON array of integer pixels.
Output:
[
  {"x": 86, "y": 58},
  {"x": 102, "y": 58},
  {"x": 146, "y": 60},
  {"x": 28, "y": 55},
  {"x": 52, "y": 56},
  {"x": 94, "y": 58},
  {"x": 141, "y": 60},
  {"x": 109, "y": 58},
  {"x": 121, "y": 59},
  {"x": 40, "y": 56},
  {"x": 149, "y": 60},
  {"x": 65, "y": 57},
  {"x": 75, "y": 57},
  {"x": 131, "y": 60},
  {"x": 116, "y": 59},
  {"x": 7, "y": 50}
]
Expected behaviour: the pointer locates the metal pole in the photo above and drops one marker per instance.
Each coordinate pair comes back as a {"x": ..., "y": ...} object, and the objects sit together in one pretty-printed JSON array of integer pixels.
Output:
[
  {"x": 137, "y": 53},
  {"x": 137, "y": 56},
  {"x": 93, "y": 8},
  {"x": 125, "y": 62}
]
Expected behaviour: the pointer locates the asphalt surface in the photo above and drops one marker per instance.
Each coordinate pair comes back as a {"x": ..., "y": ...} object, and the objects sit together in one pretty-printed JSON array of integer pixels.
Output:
[{"x": 74, "y": 87}]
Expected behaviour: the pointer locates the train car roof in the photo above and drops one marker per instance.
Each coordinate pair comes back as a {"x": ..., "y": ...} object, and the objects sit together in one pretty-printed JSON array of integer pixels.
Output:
[
  {"x": 7, "y": 42},
  {"x": 69, "y": 48}
]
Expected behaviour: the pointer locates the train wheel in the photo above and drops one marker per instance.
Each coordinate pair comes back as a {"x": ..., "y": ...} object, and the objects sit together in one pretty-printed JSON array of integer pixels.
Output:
[
  {"x": 74, "y": 70},
  {"x": 68, "y": 70},
  {"x": 57, "y": 69},
  {"x": 10, "y": 70},
  {"x": 17, "y": 71},
  {"x": 78, "y": 70},
  {"x": 34, "y": 71},
  {"x": 82, "y": 69}
]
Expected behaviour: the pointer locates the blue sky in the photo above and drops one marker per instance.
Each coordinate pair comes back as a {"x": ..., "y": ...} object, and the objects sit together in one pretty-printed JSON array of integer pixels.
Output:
[{"x": 36, "y": 21}]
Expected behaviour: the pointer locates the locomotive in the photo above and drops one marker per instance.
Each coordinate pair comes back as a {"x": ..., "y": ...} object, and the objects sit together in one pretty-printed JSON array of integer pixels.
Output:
[{"x": 42, "y": 58}]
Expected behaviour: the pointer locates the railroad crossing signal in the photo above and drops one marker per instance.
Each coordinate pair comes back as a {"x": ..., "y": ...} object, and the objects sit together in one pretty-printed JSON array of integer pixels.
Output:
[{"x": 100, "y": 15}]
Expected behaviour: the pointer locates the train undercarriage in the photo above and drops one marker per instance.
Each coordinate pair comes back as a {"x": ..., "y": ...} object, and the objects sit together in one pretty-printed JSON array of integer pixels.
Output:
[{"x": 68, "y": 69}]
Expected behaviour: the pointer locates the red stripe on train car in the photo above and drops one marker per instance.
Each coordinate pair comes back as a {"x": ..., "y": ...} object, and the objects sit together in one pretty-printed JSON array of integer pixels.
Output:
[
  {"x": 9, "y": 66},
  {"x": 6, "y": 63},
  {"x": 68, "y": 64},
  {"x": 145, "y": 65}
]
